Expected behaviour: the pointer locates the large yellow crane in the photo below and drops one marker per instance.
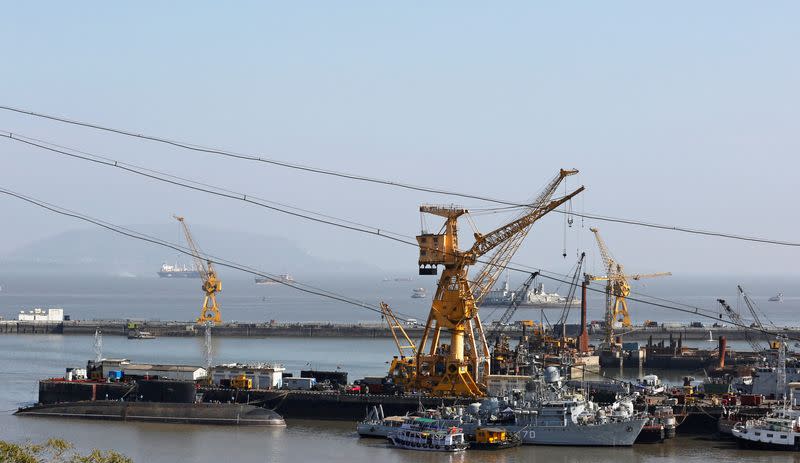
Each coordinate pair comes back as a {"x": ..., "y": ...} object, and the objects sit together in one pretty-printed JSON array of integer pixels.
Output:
[
  {"x": 617, "y": 288},
  {"x": 211, "y": 283},
  {"x": 455, "y": 368}
]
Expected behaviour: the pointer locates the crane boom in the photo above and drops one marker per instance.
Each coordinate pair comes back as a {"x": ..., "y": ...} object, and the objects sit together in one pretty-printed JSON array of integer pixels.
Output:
[
  {"x": 751, "y": 307},
  {"x": 737, "y": 320},
  {"x": 502, "y": 322},
  {"x": 209, "y": 313},
  {"x": 455, "y": 368}
]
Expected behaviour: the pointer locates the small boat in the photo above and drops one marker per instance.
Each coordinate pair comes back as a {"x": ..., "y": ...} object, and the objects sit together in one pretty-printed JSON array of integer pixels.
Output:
[
  {"x": 377, "y": 425},
  {"x": 780, "y": 430},
  {"x": 777, "y": 298},
  {"x": 419, "y": 293},
  {"x": 427, "y": 435},
  {"x": 494, "y": 439},
  {"x": 137, "y": 334},
  {"x": 652, "y": 432}
]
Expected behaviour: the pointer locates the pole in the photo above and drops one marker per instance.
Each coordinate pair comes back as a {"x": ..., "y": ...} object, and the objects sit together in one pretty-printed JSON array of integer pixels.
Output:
[{"x": 583, "y": 344}]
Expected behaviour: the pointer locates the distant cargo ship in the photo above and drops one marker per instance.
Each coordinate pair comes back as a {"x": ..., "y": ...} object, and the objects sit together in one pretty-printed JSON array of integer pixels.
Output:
[
  {"x": 282, "y": 278},
  {"x": 536, "y": 298},
  {"x": 177, "y": 271}
]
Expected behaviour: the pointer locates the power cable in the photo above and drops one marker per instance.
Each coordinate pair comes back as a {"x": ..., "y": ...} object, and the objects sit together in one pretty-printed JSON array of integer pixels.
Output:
[
  {"x": 213, "y": 259},
  {"x": 198, "y": 186},
  {"x": 408, "y": 186}
]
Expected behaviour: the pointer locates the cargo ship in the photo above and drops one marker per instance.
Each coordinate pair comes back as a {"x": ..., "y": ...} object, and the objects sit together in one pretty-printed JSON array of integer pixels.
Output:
[
  {"x": 282, "y": 278},
  {"x": 177, "y": 271}
]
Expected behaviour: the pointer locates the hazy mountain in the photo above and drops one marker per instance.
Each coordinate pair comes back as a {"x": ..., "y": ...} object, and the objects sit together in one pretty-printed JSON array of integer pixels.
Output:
[{"x": 105, "y": 252}]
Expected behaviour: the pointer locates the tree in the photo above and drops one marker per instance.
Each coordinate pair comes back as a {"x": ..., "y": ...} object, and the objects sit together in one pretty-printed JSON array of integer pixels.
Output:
[{"x": 55, "y": 451}]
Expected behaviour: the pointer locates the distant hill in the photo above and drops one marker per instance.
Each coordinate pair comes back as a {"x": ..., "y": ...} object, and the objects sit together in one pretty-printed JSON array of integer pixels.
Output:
[{"x": 104, "y": 252}]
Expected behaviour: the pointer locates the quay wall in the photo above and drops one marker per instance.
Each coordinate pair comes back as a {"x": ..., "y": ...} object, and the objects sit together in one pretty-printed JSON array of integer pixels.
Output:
[{"x": 335, "y": 330}]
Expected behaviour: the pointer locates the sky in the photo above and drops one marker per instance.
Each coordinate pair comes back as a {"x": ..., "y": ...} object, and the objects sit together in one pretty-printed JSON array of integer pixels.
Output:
[{"x": 682, "y": 113}]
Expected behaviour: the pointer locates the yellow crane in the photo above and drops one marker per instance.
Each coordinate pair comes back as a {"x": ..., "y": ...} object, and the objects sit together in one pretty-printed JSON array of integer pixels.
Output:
[
  {"x": 211, "y": 283},
  {"x": 617, "y": 287},
  {"x": 402, "y": 368},
  {"x": 455, "y": 368}
]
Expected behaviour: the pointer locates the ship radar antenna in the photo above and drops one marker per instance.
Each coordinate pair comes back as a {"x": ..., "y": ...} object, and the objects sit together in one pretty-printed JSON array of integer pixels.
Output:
[{"x": 98, "y": 345}]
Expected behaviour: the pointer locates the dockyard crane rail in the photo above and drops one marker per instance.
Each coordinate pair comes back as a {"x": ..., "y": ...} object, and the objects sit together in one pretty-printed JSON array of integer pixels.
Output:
[
  {"x": 209, "y": 313},
  {"x": 455, "y": 368},
  {"x": 617, "y": 288}
]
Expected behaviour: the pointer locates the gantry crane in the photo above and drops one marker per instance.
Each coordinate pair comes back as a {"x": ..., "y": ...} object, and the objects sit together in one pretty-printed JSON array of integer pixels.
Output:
[
  {"x": 211, "y": 283},
  {"x": 454, "y": 368},
  {"x": 617, "y": 288}
]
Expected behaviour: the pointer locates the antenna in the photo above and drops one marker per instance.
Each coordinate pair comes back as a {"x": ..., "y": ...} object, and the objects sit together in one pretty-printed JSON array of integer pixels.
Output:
[{"x": 98, "y": 345}]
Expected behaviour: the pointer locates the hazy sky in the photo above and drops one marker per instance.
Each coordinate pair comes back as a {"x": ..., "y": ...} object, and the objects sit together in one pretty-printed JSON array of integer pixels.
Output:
[{"x": 681, "y": 113}]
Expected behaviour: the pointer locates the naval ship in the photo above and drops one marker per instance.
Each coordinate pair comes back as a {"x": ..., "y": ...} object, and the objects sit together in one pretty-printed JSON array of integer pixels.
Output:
[
  {"x": 536, "y": 298},
  {"x": 177, "y": 271}
]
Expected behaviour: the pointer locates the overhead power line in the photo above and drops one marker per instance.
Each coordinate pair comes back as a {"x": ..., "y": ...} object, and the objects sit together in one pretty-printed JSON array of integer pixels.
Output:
[
  {"x": 303, "y": 287},
  {"x": 183, "y": 250},
  {"x": 329, "y": 220},
  {"x": 397, "y": 184}
]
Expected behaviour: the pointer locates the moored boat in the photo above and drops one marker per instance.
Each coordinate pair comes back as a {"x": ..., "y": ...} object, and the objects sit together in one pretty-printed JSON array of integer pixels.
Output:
[
  {"x": 426, "y": 434},
  {"x": 377, "y": 425},
  {"x": 494, "y": 439},
  {"x": 779, "y": 430}
]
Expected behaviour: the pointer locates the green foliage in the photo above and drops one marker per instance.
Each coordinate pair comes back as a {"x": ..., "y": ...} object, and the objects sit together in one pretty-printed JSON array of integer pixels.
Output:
[{"x": 55, "y": 451}]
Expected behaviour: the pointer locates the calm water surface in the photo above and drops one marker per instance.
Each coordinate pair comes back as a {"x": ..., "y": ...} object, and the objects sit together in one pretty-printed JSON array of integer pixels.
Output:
[{"x": 24, "y": 359}]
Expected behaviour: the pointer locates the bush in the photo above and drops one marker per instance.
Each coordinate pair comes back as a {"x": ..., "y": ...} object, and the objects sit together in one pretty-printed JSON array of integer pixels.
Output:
[{"x": 55, "y": 451}]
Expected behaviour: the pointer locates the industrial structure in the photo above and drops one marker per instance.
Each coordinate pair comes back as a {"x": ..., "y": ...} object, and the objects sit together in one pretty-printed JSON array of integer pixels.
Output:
[
  {"x": 209, "y": 313},
  {"x": 617, "y": 288},
  {"x": 459, "y": 367}
]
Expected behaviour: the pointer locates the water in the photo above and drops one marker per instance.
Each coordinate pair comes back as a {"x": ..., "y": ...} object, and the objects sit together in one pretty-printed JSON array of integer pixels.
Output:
[
  {"x": 24, "y": 359},
  {"x": 90, "y": 297}
]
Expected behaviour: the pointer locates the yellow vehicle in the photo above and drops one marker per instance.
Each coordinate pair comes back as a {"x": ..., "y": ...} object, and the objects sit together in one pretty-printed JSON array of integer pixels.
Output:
[
  {"x": 494, "y": 439},
  {"x": 242, "y": 382}
]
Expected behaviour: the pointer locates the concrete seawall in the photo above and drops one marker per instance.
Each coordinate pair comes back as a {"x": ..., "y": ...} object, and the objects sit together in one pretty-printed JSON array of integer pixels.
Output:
[{"x": 335, "y": 330}]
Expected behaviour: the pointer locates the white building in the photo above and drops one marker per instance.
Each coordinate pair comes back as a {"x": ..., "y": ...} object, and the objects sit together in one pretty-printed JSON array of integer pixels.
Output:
[
  {"x": 41, "y": 315},
  {"x": 263, "y": 375},
  {"x": 161, "y": 371}
]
